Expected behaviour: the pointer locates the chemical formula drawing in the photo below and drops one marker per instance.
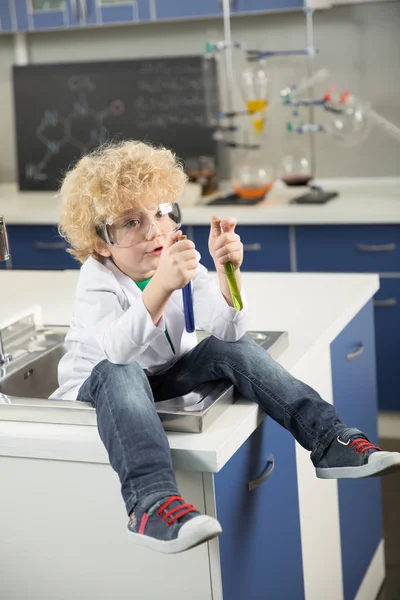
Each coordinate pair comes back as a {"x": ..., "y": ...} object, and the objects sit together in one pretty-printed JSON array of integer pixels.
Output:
[{"x": 83, "y": 128}]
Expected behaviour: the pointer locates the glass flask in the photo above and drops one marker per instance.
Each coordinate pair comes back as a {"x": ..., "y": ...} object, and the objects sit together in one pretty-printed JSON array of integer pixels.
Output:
[
  {"x": 347, "y": 123},
  {"x": 202, "y": 170},
  {"x": 295, "y": 166},
  {"x": 253, "y": 177}
]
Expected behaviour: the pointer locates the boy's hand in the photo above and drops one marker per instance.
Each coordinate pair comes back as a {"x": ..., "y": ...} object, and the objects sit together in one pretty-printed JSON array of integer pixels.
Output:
[
  {"x": 177, "y": 266},
  {"x": 225, "y": 246}
]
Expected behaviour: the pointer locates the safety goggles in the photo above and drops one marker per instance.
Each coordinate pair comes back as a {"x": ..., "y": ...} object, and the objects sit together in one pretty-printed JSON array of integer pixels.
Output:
[{"x": 138, "y": 226}]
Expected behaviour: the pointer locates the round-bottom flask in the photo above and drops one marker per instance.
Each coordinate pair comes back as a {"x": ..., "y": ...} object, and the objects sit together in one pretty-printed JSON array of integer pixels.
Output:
[
  {"x": 253, "y": 177},
  {"x": 295, "y": 167}
]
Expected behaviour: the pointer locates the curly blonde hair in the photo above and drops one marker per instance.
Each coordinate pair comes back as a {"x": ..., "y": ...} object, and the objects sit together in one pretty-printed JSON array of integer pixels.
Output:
[{"x": 108, "y": 182}]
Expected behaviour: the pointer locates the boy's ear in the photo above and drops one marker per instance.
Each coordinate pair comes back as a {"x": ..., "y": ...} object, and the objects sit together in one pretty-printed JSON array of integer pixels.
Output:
[{"x": 102, "y": 248}]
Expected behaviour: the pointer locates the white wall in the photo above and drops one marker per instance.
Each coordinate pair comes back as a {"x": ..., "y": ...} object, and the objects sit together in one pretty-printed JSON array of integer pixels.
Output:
[{"x": 359, "y": 44}]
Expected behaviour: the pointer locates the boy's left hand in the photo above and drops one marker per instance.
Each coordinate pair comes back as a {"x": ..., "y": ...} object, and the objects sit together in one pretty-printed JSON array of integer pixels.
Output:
[{"x": 225, "y": 246}]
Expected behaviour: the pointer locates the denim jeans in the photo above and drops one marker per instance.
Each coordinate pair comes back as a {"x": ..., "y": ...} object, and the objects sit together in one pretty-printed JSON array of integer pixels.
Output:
[{"x": 129, "y": 426}]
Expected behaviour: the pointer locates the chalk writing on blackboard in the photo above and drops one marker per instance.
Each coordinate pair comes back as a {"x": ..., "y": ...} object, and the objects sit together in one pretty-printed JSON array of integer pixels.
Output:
[
  {"x": 64, "y": 110},
  {"x": 82, "y": 127}
]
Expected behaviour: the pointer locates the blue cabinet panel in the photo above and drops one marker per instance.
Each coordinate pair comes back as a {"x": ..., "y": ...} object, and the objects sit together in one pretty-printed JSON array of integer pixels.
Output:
[
  {"x": 180, "y": 9},
  {"x": 38, "y": 247},
  {"x": 354, "y": 393},
  {"x": 260, "y": 548},
  {"x": 84, "y": 14},
  {"x": 266, "y": 5},
  {"x": 71, "y": 14},
  {"x": 21, "y": 12},
  {"x": 265, "y": 248},
  {"x": 387, "y": 332},
  {"x": 6, "y": 23},
  {"x": 30, "y": 19},
  {"x": 127, "y": 12},
  {"x": 348, "y": 248}
]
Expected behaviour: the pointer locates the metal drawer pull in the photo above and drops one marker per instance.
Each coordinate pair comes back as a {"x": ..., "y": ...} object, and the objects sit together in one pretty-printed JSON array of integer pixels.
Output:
[
  {"x": 50, "y": 245},
  {"x": 356, "y": 353},
  {"x": 386, "y": 302},
  {"x": 266, "y": 473},
  {"x": 376, "y": 248},
  {"x": 252, "y": 247}
]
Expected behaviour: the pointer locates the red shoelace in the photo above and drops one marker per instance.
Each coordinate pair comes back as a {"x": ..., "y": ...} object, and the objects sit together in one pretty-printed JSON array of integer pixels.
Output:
[
  {"x": 361, "y": 445},
  {"x": 180, "y": 511}
]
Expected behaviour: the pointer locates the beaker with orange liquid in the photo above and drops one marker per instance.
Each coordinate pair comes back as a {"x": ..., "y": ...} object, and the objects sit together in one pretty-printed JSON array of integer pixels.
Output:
[{"x": 253, "y": 177}]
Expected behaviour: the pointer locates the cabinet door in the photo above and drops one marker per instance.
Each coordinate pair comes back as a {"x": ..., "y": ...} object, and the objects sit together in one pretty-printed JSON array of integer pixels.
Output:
[
  {"x": 55, "y": 14},
  {"x": 265, "y": 248},
  {"x": 42, "y": 14},
  {"x": 123, "y": 11},
  {"x": 387, "y": 331},
  {"x": 38, "y": 247},
  {"x": 6, "y": 24},
  {"x": 266, "y": 5},
  {"x": 355, "y": 397},
  {"x": 183, "y": 9},
  {"x": 348, "y": 248},
  {"x": 82, "y": 13},
  {"x": 261, "y": 528}
]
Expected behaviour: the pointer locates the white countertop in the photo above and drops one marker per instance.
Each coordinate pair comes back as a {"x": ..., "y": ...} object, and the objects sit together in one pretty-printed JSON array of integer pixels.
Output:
[
  {"x": 374, "y": 200},
  {"x": 313, "y": 308}
]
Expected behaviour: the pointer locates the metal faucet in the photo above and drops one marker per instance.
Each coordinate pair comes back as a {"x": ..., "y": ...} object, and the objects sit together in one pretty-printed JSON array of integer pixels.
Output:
[{"x": 4, "y": 255}]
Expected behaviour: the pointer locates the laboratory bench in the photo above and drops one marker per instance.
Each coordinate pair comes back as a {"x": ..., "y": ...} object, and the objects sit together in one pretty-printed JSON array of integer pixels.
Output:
[{"x": 291, "y": 537}]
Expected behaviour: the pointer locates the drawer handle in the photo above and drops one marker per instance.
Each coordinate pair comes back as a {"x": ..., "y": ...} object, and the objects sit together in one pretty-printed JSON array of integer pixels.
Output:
[
  {"x": 50, "y": 245},
  {"x": 252, "y": 247},
  {"x": 386, "y": 302},
  {"x": 376, "y": 248},
  {"x": 266, "y": 473},
  {"x": 353, "y": 355}
]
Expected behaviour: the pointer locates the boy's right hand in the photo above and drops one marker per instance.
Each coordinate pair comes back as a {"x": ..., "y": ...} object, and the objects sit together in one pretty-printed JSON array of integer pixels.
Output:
[{"x": 178, "y": 265}]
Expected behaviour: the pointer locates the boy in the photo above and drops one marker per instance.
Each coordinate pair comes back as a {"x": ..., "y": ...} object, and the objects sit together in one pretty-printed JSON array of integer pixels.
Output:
[{"x": 127, "y": 345}]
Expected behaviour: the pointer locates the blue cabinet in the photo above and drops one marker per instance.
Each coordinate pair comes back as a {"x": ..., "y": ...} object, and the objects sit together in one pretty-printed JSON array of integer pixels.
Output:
[
  {"x": 348, "y": 248},
  {"x": 83, "y": 14},
  {"x": 387, "y": 327},
  {"x": 363, "y": 249},
  {"x": 355, "y": 397},
  {"x": 248, "y": 6},
  {"x": 6, "y": 19},
  {"x": 36, "y": 14},
  {"x": 182, "y": 9},
  {"x": 262, "y": 526},
  {"x": 38, "y": 247},
  {"x": 119, "y": 11},
  {"x": 266, "y": 248}
]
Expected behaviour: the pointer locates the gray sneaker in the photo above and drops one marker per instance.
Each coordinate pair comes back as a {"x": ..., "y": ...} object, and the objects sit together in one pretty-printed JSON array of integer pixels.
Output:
[
  {"x": 171, "y": 525},
  {"x": 351, "y": 455}
]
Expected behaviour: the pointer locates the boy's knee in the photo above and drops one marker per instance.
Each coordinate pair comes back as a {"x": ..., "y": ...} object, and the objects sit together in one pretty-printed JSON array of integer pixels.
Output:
[
  {"x": 121, "y": 373},
  {"x": 243, "y": 346}
]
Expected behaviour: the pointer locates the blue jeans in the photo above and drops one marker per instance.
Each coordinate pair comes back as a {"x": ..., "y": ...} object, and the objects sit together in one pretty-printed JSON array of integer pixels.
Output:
[{"x": 133, "y": 435}]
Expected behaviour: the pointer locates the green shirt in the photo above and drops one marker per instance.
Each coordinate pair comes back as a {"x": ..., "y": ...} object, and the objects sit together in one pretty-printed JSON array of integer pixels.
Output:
[{"x": 142, "y": 285}]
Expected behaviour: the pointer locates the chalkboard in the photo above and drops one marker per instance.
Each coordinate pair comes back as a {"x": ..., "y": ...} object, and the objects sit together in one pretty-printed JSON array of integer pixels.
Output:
[{"x": 64, "y": 110}]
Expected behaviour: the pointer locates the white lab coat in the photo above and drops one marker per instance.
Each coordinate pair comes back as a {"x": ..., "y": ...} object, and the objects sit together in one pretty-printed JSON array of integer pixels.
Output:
[{"x": 110, "y": 321}]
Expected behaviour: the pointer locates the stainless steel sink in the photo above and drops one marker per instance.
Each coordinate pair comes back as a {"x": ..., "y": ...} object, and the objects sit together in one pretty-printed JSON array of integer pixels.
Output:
[{"x": 31, "y": 377}]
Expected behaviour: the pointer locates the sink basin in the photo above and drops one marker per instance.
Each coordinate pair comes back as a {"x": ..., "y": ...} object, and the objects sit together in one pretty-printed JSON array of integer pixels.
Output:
[
  {"x": 31, "y": 377},
  {"x": 35, "y": 379}
]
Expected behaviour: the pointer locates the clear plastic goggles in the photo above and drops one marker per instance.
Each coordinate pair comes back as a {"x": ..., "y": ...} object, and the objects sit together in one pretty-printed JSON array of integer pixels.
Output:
[{"x": 139, "y": 226}]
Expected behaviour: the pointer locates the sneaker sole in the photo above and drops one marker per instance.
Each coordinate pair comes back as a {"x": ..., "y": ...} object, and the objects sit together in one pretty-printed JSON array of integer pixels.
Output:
[
  {"x": 208, "y": 529},
  {"x": 376, "y": 468}
]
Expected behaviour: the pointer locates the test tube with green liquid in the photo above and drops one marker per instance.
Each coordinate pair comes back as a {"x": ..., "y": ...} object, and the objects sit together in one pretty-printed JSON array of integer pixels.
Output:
[{"x": 231, "y": 277}]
